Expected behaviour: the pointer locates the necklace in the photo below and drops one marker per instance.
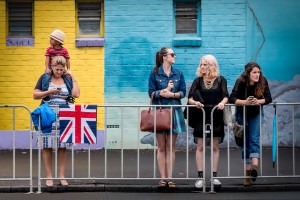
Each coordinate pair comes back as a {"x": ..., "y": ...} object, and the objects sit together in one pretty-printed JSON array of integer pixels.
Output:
[{"x": 208, "y": 83}]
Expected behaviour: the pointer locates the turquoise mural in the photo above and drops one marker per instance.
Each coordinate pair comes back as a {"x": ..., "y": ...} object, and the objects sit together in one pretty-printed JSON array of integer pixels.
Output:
[
  {"x": 234, "y": 31},
  {"x": 273, "y": 39},
  {"x": 279, "y": 35}
]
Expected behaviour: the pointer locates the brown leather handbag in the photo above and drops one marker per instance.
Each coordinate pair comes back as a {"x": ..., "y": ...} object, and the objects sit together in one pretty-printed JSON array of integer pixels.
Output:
[{"x": 163, "y": 118}]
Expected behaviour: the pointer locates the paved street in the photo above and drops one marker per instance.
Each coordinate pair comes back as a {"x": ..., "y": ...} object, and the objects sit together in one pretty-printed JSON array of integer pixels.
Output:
[
  {"x": 151, "y": 196},
  {"x": 231, "y": 179}
]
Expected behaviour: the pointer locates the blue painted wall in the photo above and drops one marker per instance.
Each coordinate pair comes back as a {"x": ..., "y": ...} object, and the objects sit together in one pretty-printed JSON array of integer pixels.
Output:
[
  {"x": 279, "y": 20},
  {"x": 135, "y": 30}
]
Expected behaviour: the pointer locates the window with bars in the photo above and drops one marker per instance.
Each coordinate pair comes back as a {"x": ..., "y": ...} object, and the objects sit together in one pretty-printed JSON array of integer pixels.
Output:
[
  {"x": 186, "y": 14},
  {"x": 89, "y": 17},
  {"x": 20, "y": 18},
  {"x": 187, "y": 23}
]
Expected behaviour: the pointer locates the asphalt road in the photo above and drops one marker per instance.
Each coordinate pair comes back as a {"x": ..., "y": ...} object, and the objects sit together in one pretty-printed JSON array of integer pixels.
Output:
[{"x": 154, "y": 196}]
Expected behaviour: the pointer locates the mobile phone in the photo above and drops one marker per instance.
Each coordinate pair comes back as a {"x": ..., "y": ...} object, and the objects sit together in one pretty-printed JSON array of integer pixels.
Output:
[{"x": 251, "y": 97}]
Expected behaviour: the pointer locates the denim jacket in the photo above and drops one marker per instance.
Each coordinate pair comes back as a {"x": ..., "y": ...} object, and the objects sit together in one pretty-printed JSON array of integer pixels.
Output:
[
  {"x": 47, "y": 116},
  {"x": 46, "y": 78},
  {"x": 159, "y": 81}
]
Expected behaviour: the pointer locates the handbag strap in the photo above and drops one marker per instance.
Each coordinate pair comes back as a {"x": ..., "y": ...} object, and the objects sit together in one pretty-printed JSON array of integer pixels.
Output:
[{"x": 151, "y": 99}]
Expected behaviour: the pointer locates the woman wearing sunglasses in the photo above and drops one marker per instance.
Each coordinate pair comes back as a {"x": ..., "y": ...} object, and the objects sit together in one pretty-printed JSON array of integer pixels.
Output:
[{"x": 167, "y": 85}]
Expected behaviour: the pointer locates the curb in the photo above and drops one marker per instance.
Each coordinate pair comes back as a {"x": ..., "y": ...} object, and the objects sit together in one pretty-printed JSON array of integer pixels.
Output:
[{"x": 151, "y": 188}]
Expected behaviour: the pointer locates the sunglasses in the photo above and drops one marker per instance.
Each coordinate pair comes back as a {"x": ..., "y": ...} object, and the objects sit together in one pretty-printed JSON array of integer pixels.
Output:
[{"x": 171, "y": 54}]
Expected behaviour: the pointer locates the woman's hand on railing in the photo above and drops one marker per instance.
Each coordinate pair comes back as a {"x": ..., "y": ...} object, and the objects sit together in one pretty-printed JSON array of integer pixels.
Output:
[
  {"x": 220, "y": 106},
  {"x": 199, "y": 104}
]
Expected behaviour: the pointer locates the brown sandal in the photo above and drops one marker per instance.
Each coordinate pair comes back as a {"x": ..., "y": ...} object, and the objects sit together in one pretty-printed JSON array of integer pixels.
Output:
[
  {"x": 162, "y": 183},
  {"x": 171, "y": 184}
]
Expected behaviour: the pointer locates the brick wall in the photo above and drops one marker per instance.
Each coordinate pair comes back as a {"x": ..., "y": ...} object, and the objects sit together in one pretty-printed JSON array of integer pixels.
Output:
[
  {"x": 136, "y": 29},
  {"x": 20, "y": 67}
]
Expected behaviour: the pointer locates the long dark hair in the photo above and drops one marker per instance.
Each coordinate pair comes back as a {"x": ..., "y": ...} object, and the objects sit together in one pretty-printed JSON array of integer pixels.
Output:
[
  {"x": 260, "y": 85},
  {"x": 159, "y": 58}
]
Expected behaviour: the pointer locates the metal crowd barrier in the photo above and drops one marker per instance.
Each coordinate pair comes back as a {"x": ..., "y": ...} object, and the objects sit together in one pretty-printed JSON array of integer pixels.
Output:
[
  {"x": 106, "y": 167},
  {"x": 14, "y": 176},
  {"x": 261, "y": 159},
  {"x": 137, "y": 109}
]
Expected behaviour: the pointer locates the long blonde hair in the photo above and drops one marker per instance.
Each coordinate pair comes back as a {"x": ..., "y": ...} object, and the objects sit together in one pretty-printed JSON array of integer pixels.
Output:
[{"x": 213, "y": 67}]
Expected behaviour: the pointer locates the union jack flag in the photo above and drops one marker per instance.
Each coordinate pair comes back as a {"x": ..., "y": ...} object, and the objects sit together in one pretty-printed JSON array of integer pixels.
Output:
[{"x": 78, "y": 124}]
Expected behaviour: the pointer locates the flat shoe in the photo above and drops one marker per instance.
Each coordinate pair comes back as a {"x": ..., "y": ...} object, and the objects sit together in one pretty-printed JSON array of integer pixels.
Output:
[
  {"x": 63, "y": 183},
  {"x": 49, "y": 183}
]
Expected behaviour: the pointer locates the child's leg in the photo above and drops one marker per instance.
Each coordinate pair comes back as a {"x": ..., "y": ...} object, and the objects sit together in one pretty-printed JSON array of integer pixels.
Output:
[{"x": 48, "y": 70}]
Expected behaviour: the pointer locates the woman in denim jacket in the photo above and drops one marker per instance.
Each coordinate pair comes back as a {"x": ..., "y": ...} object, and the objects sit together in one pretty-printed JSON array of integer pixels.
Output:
[
  {"x": 55, "y": 89},
  {"x": 167, "y": 85},
  {"x": 251, "y": 88}
]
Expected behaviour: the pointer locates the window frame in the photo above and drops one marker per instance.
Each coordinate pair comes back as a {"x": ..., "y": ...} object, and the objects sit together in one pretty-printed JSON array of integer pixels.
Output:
[
  {"x": 188, "y": 39},
  {"x": 19, "y": 40},
  {"x": 85, "y": 40},
  {"x": 100, "y": 20}
]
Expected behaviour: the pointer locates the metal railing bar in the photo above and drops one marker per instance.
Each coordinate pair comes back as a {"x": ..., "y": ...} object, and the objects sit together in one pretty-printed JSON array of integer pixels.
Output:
[
  {"x": 138, "y": 144},
  {"x": 293, "y": 175},
  {"x": 277, "y": 149},
  {"x": 14, "y": 141},
  {"x": 14, "y": 178},
  {"x": 122, "y": 142},
  {"x": 89, "y": 161},
  {"x": 260, "y": 139},
  {"x": 187, "y": 145},
  {"x": 105, "y": 140},
  {"x": 72, "y": 162},
  {"x": 293, "y": 144}
]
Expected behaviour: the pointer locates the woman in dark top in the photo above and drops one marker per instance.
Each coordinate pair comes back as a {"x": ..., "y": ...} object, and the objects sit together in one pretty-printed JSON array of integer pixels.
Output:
[
  {"x": 251, "y": 88},
  {"x": 207, "y": 91}
]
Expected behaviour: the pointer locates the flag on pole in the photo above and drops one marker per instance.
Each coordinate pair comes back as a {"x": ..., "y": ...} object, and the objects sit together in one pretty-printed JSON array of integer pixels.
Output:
[{"x": 78, "y": 124}]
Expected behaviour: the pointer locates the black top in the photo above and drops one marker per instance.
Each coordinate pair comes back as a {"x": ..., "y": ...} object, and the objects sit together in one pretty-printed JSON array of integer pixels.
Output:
[
  {"x": 210, "y": 98},
  {"x": 242, "y": 92}
]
